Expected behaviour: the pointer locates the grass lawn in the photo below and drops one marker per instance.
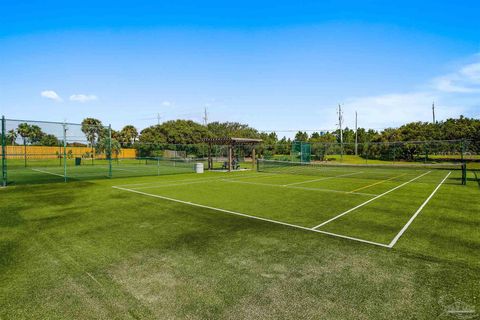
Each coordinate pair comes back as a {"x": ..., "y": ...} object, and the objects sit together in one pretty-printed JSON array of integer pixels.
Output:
[{"x": 340, "y": 244}]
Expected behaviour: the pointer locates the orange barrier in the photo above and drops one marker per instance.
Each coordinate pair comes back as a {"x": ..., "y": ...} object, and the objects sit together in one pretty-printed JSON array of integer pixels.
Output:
[{"x": 41, "y": 152}]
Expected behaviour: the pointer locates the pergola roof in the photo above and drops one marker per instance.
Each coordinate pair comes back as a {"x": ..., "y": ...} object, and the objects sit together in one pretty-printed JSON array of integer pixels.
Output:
[{"x": 232, "y": 141}]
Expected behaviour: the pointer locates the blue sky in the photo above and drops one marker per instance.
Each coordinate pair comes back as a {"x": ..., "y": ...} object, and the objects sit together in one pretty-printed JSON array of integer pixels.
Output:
[{"x": 274, "y": 65}]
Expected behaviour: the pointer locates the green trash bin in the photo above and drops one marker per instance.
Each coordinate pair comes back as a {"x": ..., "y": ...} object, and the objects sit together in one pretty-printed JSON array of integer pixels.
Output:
[{"x": 78, "y": 161}]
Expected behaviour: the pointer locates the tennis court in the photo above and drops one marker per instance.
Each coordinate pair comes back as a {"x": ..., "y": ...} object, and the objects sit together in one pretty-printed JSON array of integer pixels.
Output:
[
  {"x": 370, "y": 204},
  {"x": 48, "y": 170}
]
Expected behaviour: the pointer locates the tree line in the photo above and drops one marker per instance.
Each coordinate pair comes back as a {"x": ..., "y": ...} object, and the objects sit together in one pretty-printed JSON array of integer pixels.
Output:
[{"x": 188, "y": 132}]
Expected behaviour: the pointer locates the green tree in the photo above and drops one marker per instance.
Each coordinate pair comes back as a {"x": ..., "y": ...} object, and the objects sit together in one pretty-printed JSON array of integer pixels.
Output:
[
  {"x": 93, "y": 130},
  {"x": 232, "y": 130},
  {"x": 284, "y": 146},
  {"x": 11, "y": 136},
  {"x": 49, "y": 140},
  {"x": 36, "y": 134},
  {"x": 180, "y": 135},
  {"x": 104, "y": 146},
  {"x": 175, "y": 132},
  {"x": 301, "y": 136},
  {"x": 23, "y": 131},
  {"x": 129, "y": 135}
]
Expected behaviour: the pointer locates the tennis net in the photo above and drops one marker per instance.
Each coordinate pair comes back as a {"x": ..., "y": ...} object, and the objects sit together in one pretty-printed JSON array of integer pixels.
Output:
[{"x": 394, "y": 172}]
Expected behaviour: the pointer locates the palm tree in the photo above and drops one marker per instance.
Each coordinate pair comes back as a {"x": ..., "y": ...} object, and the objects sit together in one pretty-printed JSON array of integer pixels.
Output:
[
  {"x": 129, "y": 134},
  {"x": 109, "y": 147},
  {"x": 93, "y": 129},
  {"x": 12, "y": 136},
  {"x": 24, "y": 131},
  {"x": 36, "y": 134}
]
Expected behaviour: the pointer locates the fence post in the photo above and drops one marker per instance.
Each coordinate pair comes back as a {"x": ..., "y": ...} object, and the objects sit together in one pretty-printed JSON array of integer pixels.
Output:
[
  {"x": 65, "y": 152},
  {"x": 109, "y": 151},
  {"x": 4, "y": 154}
]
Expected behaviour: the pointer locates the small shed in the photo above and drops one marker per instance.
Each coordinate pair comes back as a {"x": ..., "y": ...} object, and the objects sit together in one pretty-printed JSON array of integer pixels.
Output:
[{"x": 231, "y": 143}]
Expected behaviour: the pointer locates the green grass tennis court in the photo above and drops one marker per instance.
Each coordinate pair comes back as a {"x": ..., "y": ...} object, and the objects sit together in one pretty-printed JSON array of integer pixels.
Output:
[
  {"x": 287, "y": 241},
  {"x": 371, "y": 204}
]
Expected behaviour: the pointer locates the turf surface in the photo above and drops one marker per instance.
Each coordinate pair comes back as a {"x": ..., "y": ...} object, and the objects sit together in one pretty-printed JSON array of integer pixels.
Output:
[{"x": 87, "y": 250}]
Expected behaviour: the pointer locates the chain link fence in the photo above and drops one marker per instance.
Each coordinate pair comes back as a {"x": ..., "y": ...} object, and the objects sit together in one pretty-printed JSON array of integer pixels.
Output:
[{"x": 39, "y": 152}]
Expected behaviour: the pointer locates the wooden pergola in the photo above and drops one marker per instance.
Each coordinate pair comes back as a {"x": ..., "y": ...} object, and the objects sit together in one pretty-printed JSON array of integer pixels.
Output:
[{"x": 231, "y": 143}]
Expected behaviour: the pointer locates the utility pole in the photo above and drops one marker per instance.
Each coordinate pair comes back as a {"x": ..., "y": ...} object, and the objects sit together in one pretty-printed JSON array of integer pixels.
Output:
[
  {"x": 433, "y": 112},
  {"x": 356, "y": 135},
  {"x": 205, "y": 117},
  {"x": 340, "y": 122},
  {"x": 158, "y": 118}
]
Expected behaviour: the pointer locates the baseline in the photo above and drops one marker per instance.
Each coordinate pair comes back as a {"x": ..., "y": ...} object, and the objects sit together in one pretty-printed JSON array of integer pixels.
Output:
[{"x": 185, "y": 180}]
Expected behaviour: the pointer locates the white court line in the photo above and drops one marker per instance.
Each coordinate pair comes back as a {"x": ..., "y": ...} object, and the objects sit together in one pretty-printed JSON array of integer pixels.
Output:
[
  {"x": 174, "y": 184},
  {"x": 252, "y": 217},
  {"x": 133, "y": 169},
  {"x": 197, "y": 181},
  {"x": 378, "y": 182},
  {"x": 321, "y": 179},
  {"x": 47, "y": 172},
  {"x": 405, "y": 227},
  {"x": 189, "y": 179},
  {"x": 297, "y": 187},
  {"x": 149, "y": 185},
  {"x": 187, "y": 182},
  {"x": 370, "y": 200}
]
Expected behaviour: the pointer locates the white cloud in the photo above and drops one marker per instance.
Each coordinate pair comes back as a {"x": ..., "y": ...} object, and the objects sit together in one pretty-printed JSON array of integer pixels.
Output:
[
  {"x": 52, "y": 95},
  {"x": 454, "y": 94},
  {"x": 464, "y": 80},
  {"x": 451, "y": 84},
  {"x": 392, "y": 110},
  {"x": 83, "y": 97},
  {"x": 166, "y": 103}
]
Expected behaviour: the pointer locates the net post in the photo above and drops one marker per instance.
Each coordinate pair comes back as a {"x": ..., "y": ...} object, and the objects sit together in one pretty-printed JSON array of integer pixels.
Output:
[
  {"x": 464, "y": 173},
  {"x": 4, "y": 155},
  {"x": 462, "y": 150},
  {"x": 109, "y": 151},
  {"x": 65, "y": 152}
]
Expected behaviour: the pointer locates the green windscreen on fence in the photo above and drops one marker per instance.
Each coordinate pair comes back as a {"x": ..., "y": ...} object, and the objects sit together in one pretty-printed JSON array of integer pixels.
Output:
[{"x": 301, "y": 151}]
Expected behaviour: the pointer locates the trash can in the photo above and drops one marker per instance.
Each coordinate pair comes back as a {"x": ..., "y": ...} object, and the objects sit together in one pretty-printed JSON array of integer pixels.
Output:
[
  {"x": 78, "y": 161},
  {"x": 199, "y": 167}
]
